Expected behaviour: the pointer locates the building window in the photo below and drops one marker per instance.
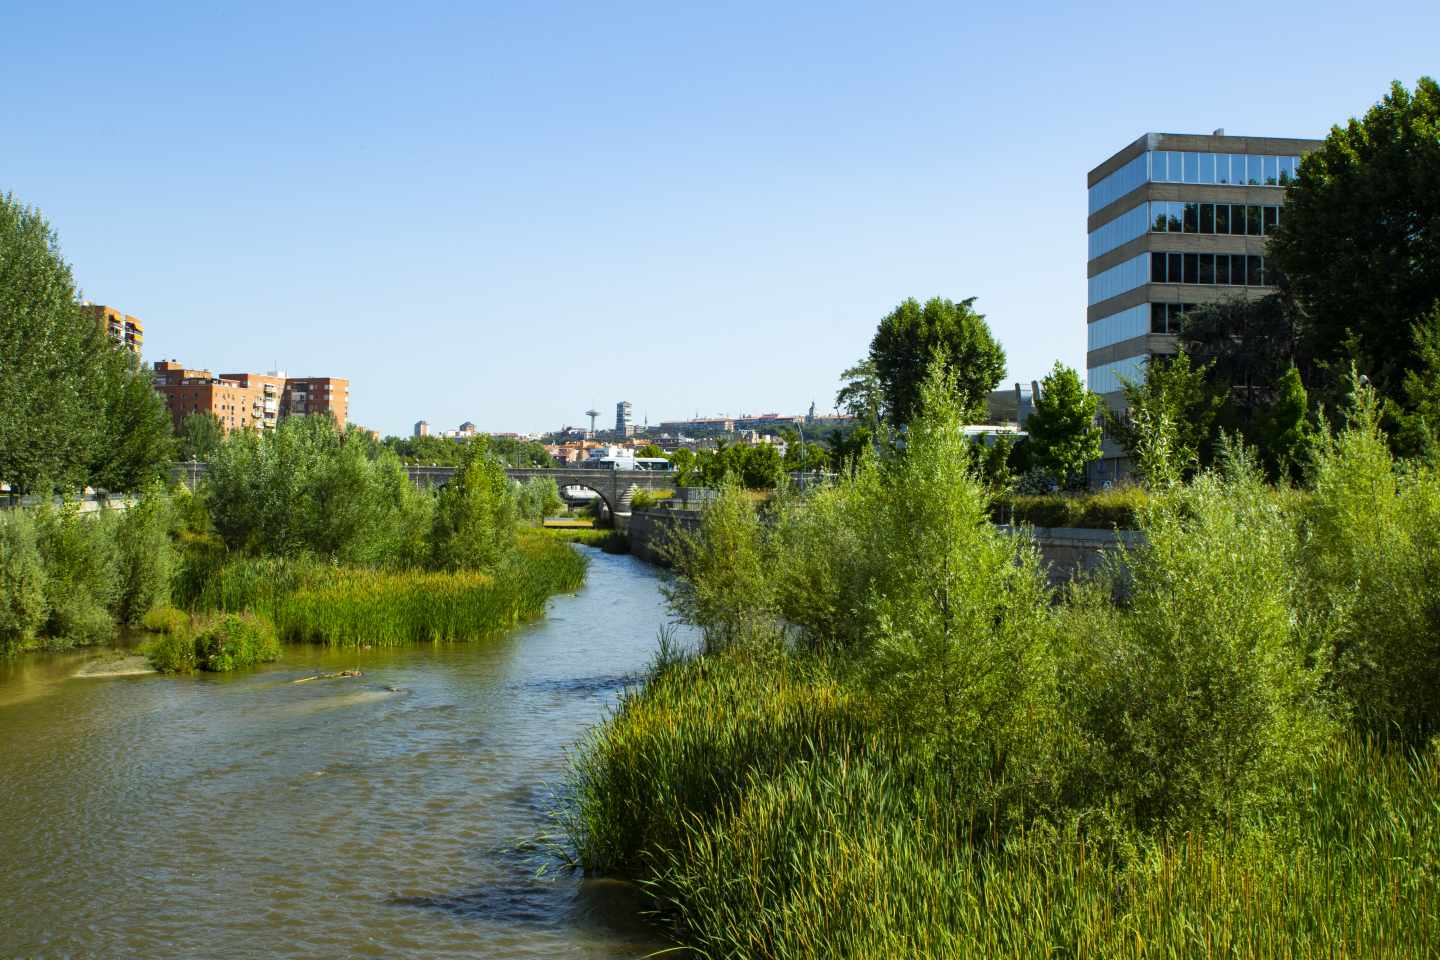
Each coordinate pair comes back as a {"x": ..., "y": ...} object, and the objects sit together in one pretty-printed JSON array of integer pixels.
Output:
[
  {"x": 1220, "y": 168},
  {"x": 1209, "y": 269}
]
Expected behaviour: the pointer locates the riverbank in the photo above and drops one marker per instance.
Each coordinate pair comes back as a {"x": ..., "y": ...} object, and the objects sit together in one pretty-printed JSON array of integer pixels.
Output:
[{"x": 898, "y": 739}]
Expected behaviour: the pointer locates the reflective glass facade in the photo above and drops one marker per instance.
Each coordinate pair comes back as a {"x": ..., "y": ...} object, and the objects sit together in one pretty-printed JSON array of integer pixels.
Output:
[
  {"x": 1120, "y": 278},
  {"x": 1184, "y": 166},
  {"x": 1106, "y": 377},
  {"x": 1238, "y": 169},
  {"x": 1119, "y": 327},
  {"x": 1221, "y": 219},
  {"x": 1210, "y": 269},
  {"x": 1120, "y": 182},
  {"x": 1124, "y": 228}
]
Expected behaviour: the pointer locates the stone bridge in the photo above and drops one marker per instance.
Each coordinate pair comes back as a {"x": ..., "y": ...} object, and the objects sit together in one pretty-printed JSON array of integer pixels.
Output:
[{"x": 615, "y": 487}]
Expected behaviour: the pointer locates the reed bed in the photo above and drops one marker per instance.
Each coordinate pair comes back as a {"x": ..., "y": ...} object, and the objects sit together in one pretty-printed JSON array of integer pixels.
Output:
[
  {"x": 315, "y": 602},
  {"x": 769, "y": 814}
]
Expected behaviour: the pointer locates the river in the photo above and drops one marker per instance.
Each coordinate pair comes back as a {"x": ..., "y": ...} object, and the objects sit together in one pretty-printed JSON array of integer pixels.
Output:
[{"x": 250, "y": 816}]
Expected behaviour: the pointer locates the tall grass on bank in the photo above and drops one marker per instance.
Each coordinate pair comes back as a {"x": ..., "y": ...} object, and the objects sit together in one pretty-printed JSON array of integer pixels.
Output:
[
  {"x": 894, "y": 742},
  {"x": 315, "y": 602}
]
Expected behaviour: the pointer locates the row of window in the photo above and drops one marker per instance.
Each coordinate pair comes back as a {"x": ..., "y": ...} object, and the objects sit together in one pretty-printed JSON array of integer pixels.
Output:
[
  {"x": 1242, "y": 169},
  {"x": 1212, "y": 269},
  {"x": 1107, "y": 377},
  {"x": 1235, "y": 219},
  {"x": 1173, "y": 216},
  {"x": 1174, "y": 166},
  {"x": 1205, "y": 269}
]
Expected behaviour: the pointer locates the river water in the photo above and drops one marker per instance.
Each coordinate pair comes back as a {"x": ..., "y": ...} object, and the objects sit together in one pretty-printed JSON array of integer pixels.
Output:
[{"x": 250, "y": 816}]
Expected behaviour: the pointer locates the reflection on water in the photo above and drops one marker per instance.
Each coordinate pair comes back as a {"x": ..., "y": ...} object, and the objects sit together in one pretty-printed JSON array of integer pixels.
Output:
[{"x": 385, "y": 815}]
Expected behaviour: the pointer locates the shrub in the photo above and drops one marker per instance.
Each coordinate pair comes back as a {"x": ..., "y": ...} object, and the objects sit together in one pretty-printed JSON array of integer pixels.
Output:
[
  {"x": 235, "y": 640},
  {"x": 172, "y": 651},
  {"x": 538, "y": 498},
  {"x": 726, "y": 587},
  {"x": 145, "y": 556},
  {"x": 23, "y": 605},
  {"x": 957, "y": 612},
  {"x": 1372, "y": 577},
  {"x": 82, "y": 581},
  {"x": 649, "y": 499},
  {"x": 1197, "y": 701},
  {"x": 1100, "y": 510}
]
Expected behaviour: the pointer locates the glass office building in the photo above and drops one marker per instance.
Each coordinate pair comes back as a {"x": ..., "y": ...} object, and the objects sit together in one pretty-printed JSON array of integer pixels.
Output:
[{"x": 1176, "y": 221}]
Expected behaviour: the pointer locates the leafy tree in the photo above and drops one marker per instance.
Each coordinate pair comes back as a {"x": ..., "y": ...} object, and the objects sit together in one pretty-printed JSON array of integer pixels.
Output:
[
  {"x": 911, "y": 337},
  {"x": 474, "y": 527},
  {"x": 47, "y": 348},
  {"x": 848, "y": 449},
  {"x": 1246, "y": 347},
  {"x": 520, "y": 453},
  {"x": 1286, "y": 438},
  {"x": 861, "y": 394},
  {"x": 307, "y": 487},
  {"x": 538, "y": 498},
  {"x": 200, "y": 435},
  {"x": 650, "y": 450},
  {"x": 1174, "y": 398},
  {"x": 805, "y": 456},
  {"x": 1062, "y": 428},
  {"x": 683, "y": 460},
  {"x": 138, "y": 442},
  {"x": 761, "y": 467},
  {"x": 1418, "y": 423},
  {"x": 1359, "y": 241},
  {"x": 76, "y": 408}
]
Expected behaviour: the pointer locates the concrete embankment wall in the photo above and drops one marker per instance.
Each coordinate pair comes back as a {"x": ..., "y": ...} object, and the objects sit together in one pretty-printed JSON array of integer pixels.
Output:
[
  {"x": 648, "y": 529},
  {"x": 1065, "y": 551}
]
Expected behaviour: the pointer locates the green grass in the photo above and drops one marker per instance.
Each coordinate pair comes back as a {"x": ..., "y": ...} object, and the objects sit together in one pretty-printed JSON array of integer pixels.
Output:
[
  {"x": 766, "y": 810},
  {"x": 314, "y": 602}
]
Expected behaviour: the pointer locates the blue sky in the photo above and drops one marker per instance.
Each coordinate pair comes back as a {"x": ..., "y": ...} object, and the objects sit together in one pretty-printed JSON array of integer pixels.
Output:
[{"x": 509, "y": 213}]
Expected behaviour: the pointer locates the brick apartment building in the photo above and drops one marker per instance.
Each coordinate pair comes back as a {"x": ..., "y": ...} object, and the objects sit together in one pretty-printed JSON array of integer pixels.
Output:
[
  {"x": 125, "y": 330},
  {"x": 249, "y": 401}
]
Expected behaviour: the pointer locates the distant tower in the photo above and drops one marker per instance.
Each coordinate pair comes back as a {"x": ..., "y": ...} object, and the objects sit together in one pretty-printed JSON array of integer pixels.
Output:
[
  {"x": 592, "y": 413},
  {"x": 624, "y": 419},
  {"x": 422, "y": 429},
  {"x": 810, "y": 417}
]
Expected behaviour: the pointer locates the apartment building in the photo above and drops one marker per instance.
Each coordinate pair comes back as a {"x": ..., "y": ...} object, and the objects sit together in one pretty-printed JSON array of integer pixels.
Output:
[
  {"x": 248, "y": 401},
  {"x": 123, "y": 329},
  {"x": 1175, "y": 221},
  {"x": 624, "y": 419}
]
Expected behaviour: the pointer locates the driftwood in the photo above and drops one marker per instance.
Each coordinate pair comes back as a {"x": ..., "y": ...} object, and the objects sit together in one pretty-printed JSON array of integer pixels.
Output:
[{"x": 329, "y": 676}]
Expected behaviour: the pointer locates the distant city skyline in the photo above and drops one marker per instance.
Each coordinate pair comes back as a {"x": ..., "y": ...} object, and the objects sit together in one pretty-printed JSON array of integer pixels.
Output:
[{"x": 506, "y": 215}]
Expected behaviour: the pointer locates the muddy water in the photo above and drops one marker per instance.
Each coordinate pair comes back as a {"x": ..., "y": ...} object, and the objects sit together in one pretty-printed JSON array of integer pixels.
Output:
[{"x": 250, "y": 816}]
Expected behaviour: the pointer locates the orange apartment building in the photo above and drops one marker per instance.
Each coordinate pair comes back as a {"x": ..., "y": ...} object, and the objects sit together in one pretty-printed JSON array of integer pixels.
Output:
[
  {"x": 248, "y": 401},
  {"x": 125, "y": 330}
]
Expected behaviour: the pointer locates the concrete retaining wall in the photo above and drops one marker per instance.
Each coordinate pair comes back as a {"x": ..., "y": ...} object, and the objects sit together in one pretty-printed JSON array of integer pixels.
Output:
[
  {"x": 1065, "y": 551},
  {"x": 648, "y": 529},
  {"x": 1068, "y": 551}
]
